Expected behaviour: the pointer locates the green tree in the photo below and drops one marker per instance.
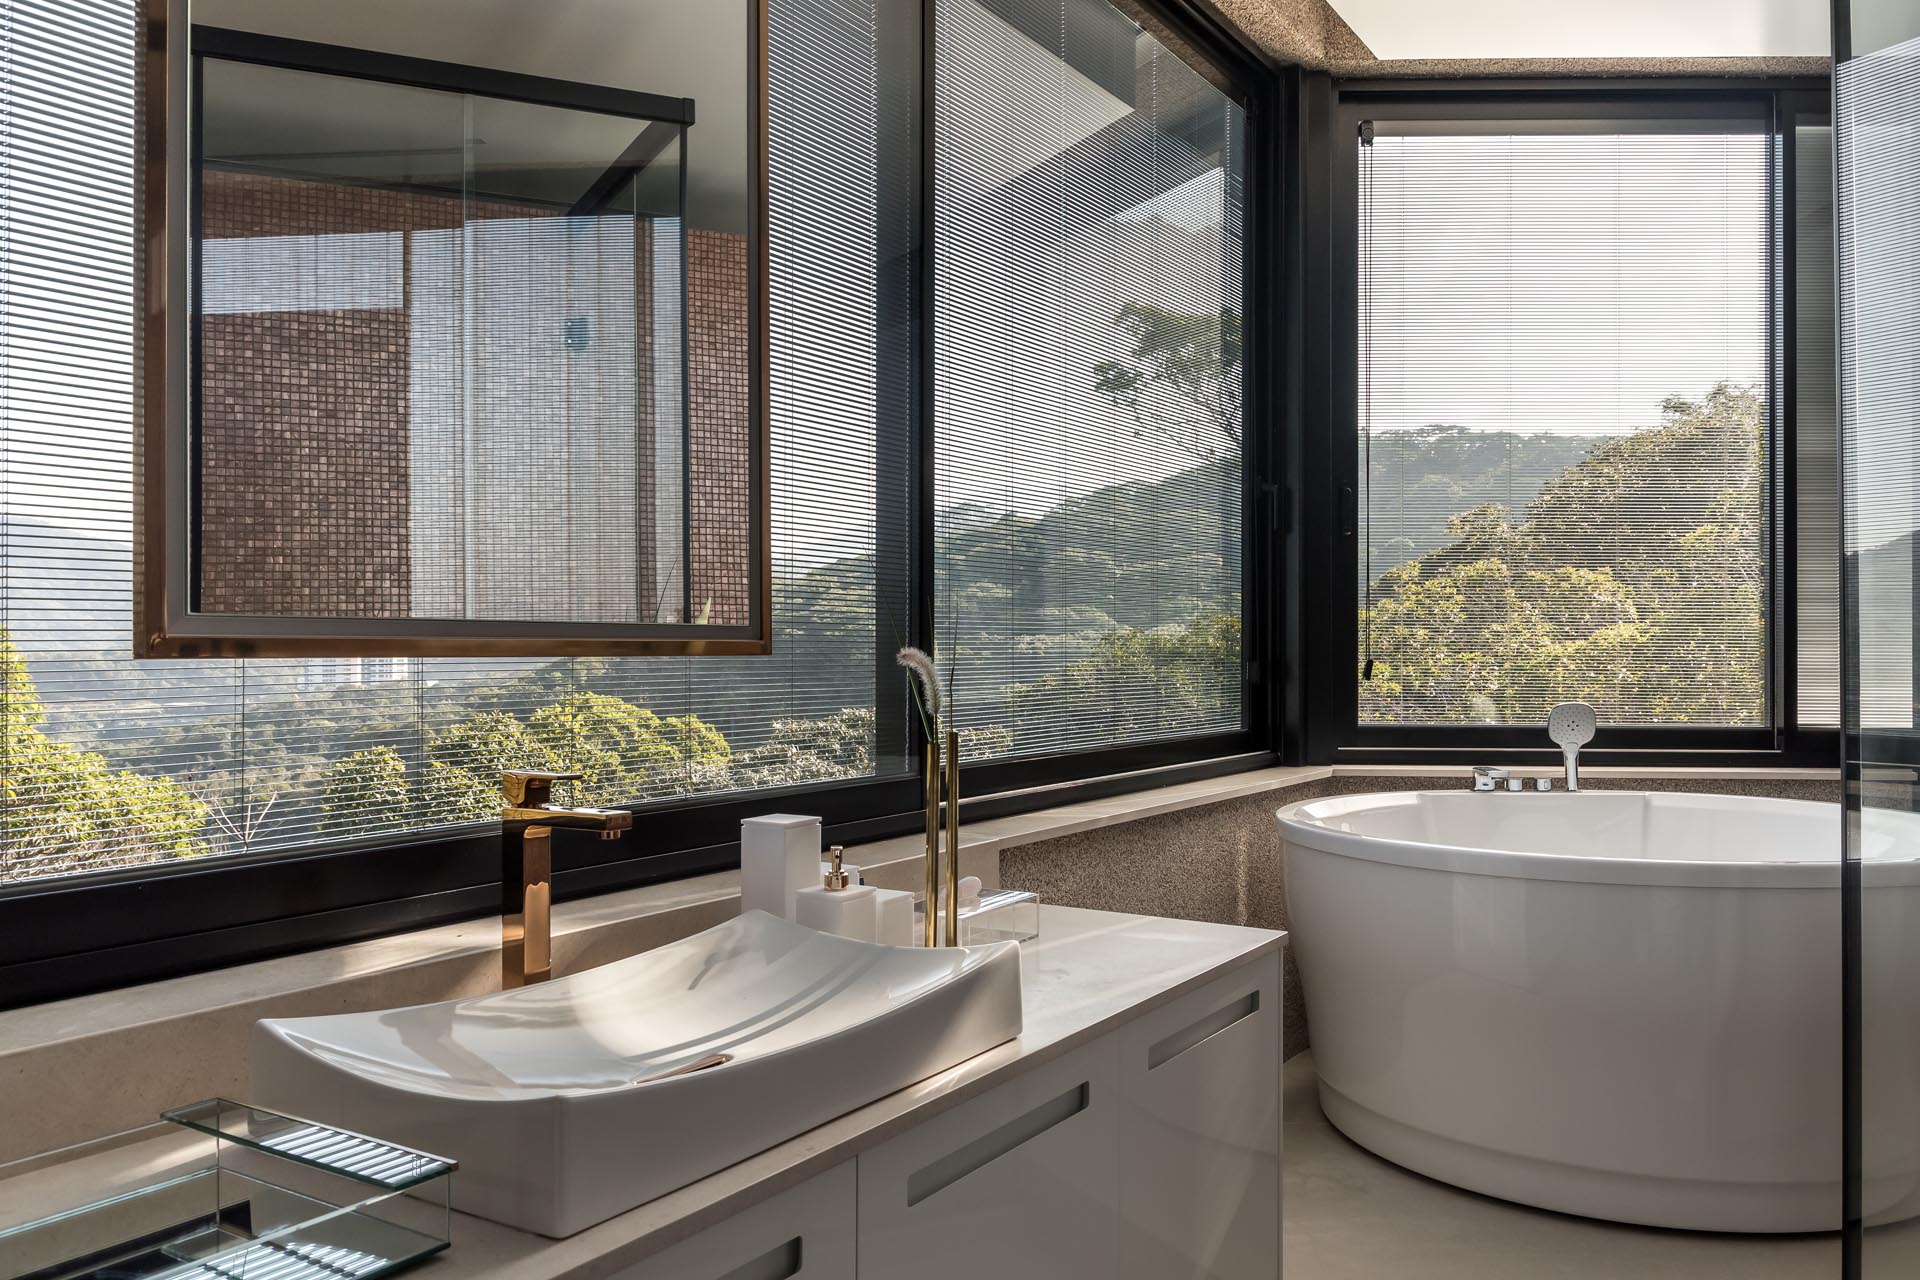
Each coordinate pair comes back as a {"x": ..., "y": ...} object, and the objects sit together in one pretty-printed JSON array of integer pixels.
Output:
[
  {"x": 67, "y": 810},
  {"x": 1141, "y": 682},
  {"x": 366, "y": 789},
  {"x": 1183, "y": 369},
  {"x": 627, "y": 753},
  {"x": 796, "y": 751},
  {"x": 1633, "y": 580},
  {"x": 838, "y": 746}
]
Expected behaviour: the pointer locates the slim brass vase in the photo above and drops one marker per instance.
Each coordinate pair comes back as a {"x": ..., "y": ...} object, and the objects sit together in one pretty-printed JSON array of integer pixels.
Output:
[
  {"x": 931, "y": 782},
  {"x": 953, "y": 838}
]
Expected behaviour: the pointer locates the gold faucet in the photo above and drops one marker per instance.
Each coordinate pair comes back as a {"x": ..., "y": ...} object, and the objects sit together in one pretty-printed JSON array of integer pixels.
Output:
[{"x": 526, "y": 867}]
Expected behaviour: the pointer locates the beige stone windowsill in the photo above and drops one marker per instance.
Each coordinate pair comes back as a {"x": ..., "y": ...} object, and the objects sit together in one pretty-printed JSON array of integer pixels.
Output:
[{"x": 98, "y": 1063}]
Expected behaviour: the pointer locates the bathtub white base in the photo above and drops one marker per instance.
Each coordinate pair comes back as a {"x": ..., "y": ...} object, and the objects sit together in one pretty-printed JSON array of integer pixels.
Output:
[
  {"x": 1594, "y": 1193},
  {"x": 1615, "y": 1004}
]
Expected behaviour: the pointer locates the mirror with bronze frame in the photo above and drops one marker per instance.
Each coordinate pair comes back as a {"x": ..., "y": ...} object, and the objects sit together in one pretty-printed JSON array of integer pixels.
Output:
[{"x": 455, "y": 330}]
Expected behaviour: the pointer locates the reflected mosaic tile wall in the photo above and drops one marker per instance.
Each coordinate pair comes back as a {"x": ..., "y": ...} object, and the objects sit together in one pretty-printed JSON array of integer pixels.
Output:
[{"x": 305, "y": 443}]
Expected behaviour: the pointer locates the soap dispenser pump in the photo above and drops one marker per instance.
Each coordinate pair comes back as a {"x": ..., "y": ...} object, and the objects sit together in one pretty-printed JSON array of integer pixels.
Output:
[{"x": 837, "y": 905}]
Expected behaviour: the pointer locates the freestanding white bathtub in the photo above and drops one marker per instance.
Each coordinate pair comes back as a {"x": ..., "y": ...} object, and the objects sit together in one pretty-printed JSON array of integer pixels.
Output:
[{"x": 1618, "y": 1004}]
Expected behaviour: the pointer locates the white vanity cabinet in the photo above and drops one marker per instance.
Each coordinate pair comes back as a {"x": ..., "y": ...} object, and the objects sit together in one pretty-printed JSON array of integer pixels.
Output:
[
  {"x": 1016, "y": 1182},
  {"x": 1151, "y": 1154},
  {"x": 804, "y": 1233},
  {"x": 1200, "y": 1133}
]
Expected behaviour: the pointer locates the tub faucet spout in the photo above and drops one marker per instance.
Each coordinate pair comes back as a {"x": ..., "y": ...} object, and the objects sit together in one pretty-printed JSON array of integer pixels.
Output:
[{"x": 1571, "y": 725}]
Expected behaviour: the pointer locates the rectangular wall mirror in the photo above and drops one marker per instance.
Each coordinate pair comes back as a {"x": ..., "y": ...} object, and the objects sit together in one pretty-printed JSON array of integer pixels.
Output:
[{"x": 455, "y": 331}]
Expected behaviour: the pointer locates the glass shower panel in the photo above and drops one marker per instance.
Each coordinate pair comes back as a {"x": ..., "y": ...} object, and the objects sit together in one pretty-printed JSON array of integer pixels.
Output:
[{"x": 1877, "y": 135}]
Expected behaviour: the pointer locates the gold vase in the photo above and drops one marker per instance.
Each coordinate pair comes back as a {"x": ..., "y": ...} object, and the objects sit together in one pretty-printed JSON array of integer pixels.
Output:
[
  {"x": 953, "y": 838},
  {"x": 930, "y": 759}
]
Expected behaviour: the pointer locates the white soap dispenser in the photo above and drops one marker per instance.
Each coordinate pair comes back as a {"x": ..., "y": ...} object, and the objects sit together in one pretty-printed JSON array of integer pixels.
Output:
[{"x": 838, "y": 906}]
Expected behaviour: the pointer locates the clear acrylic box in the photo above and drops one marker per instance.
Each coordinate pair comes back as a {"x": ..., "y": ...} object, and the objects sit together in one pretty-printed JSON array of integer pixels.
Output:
[{"x": 1001, "y": 915}]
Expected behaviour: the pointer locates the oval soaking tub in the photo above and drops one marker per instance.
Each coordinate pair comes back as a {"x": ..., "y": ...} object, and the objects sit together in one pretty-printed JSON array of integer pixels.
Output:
[{"x": 1618, "y": 1004}]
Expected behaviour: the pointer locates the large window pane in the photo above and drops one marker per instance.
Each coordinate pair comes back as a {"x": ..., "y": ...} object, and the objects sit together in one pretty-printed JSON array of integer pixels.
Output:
[
  {"x": 1564, "y": 424},
  {"x": 108, "y": 762},
  {"x": 1088, "y": 298}
]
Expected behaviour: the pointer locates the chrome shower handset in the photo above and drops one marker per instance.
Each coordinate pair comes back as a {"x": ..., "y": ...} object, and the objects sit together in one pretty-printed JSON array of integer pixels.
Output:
[{"x": 1571, "y": 725}]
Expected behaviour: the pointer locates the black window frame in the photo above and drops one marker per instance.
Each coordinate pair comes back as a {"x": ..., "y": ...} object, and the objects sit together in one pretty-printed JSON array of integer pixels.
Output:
[
  {"x": 1326, "y": 716},
  {"x": 68, "y": 936}
]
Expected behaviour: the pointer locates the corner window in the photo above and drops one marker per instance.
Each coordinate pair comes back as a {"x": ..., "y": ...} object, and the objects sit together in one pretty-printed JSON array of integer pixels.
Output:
[{"x": 1565, "y": 402}]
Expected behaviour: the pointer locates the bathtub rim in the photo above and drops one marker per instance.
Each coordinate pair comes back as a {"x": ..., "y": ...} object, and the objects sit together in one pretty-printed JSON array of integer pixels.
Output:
[{"x": 1298, "y": 827}]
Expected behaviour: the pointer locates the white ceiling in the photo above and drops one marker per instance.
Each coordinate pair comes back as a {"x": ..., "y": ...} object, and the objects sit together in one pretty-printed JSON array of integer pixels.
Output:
[{"x": 1589, "y": 28}]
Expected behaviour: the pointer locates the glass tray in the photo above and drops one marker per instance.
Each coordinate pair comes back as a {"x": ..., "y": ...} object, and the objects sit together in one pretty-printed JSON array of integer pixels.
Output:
[{"x": 223, "y": 1191}]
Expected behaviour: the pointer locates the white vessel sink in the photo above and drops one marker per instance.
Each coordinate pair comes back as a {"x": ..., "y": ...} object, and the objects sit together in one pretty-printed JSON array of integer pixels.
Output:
[{"x": 560, "y": 1100}]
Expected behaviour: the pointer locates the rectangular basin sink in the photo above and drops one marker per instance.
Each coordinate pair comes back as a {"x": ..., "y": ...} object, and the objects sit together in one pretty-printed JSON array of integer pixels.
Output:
[{"x": 574, "y": 1100}]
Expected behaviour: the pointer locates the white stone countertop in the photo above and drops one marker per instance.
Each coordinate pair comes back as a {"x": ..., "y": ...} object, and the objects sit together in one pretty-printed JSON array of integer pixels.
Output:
[{"x": 1088, "y": 972}]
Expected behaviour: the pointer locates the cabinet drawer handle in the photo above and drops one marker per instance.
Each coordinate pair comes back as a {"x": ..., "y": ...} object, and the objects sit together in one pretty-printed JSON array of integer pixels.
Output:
[
  {"x": 1198, "y": 1033},
  {"x": 782, "y": 1262},
  {"x": 984, "y": 1150}
]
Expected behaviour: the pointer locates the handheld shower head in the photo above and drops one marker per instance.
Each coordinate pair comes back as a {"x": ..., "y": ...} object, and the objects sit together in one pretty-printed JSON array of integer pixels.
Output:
[{"x": 1571, "y": 725}]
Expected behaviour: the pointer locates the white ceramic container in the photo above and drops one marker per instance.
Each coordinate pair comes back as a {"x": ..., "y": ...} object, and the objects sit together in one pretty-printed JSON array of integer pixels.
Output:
[
  {"x": 561, "y": 1100},
  {"x": 1618, "y": 1004}
]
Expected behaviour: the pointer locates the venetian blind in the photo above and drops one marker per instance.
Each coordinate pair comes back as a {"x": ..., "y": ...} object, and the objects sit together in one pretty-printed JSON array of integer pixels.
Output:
[
  {"x": 1087, "y": 296},
  {"x": 1563, "y": 418},
  {"x": 109, "y": 762},
  {"x": 1816, "y": 427}
]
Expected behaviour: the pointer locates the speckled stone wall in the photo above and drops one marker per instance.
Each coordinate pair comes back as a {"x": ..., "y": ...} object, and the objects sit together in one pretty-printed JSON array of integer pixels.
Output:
[
  {"x": 1308, "y": 32},
  {"x": 1560, "y": 68},
  {"x": 1222, "y": 862}
]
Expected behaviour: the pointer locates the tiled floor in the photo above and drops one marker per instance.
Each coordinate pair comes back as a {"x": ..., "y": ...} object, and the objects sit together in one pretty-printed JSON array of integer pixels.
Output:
[{"x": 1353, "y": 1216}]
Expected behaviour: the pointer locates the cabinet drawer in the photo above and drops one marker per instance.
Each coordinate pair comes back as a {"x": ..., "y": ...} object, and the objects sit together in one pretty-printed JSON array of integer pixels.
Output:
[
  {"x": 805, "y": 1233},
  {"x": 1016, "y": 1183},
  {"x": 1200, "y": 1133}
]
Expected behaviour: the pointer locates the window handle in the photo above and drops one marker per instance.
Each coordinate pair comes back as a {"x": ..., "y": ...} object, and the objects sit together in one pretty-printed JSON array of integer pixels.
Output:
[{"x": 1349, "y": 511}]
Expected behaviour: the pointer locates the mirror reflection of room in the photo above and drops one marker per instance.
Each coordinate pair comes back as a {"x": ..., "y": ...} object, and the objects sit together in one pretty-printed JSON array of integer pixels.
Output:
[{"x": 470, "y": 343}]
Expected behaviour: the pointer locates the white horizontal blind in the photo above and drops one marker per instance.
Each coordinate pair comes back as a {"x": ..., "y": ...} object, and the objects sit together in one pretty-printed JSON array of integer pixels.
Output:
[
  {"x": 1816, "y": 428},
  {"x": 1562, "y": 399},
  {"x": 106, "y": 761},
  {"x": 1088, "y": 294}
]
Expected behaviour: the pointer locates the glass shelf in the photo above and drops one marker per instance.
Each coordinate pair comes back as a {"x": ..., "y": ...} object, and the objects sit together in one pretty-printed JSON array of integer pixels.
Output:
[
  {"x": 340, "y": 1151},
  {"x": 208, "y": 1194}
]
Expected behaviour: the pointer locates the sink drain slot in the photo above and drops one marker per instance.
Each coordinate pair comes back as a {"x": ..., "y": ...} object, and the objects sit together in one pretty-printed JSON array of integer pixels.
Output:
[{"x": 701, "y": 1064}]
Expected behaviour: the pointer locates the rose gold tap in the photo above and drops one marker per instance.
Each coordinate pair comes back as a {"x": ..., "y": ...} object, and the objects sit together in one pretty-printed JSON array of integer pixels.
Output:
[{"x": 526, "y": 867}]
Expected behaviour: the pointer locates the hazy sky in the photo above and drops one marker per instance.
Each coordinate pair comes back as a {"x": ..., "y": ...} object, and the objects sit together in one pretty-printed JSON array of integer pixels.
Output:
[{"x": 1563, "y": 283}]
